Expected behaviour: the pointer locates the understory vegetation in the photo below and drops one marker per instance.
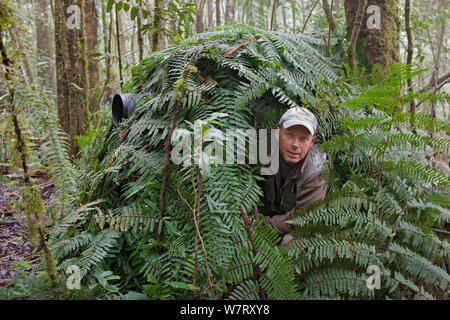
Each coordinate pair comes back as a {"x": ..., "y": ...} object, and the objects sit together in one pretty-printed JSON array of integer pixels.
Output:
[{"x": 138, "y": 226}]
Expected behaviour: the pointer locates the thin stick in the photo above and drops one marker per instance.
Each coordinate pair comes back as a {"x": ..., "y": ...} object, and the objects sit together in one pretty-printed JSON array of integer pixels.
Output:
[
  {"x": 441, "y": 231},
  {"x": 256, "y": 268},
  {"x": 119, "y": 54},
  {"x": 309, "y": 16},
  {"x": 355, "y": 31},
  {"x": 197, "y": 222},
  {"x": 165, "y": 171},
  {"x": 330, "y": 25},
  {"x": 196, "y": 234}
]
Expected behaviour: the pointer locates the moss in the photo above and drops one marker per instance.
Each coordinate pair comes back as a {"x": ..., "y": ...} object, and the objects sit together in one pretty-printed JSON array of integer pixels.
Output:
[
  {"x": 5, "y": 14},
  {"x": 376, "y": 46}
]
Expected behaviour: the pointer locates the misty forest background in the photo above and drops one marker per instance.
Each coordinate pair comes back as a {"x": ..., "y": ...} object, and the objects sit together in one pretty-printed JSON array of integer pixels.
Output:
[{"x": 59, "y": 74}]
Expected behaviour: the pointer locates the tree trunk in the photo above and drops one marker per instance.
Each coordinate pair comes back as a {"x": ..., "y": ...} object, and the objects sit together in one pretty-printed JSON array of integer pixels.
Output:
[
  {"x": 33, "y": 207},
  {"x": 119, "y": 48},
  {"x": 91, "y": 33},
  {"x": 83, "y": 73},
  {"x": 293, "y": 15},
  {"x": 199, "y": 25},
  {"x": 16, "y": 33},
  {"x": 409, "y": 56},
  {"x": 162, "y": 44},
  {"x": 328, "y": 14},
  {"x": 156, "y": 26},
  {"x": 443, "y": 15},
  {"x": 44, "y": 45},
  {"x": 355, "y": 31},
  {"x": 283, "y": 13},
  {"x": 111, "y": 81},
  {"x": 210, "y": 15},
  {"x": 233, "y": 11},
  {"x": 140, "y": 40},
  {"x": 273, "y": 20},
  {"x": 69, "y": 65},
  {"x": 375, "y": 46},
  {"x": 228, "y": 5},
  {"x": 218, "y": 13}
]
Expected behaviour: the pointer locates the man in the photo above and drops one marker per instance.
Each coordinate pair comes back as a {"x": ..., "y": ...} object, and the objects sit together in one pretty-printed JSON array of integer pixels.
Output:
[{"x": 298, "y": 180}]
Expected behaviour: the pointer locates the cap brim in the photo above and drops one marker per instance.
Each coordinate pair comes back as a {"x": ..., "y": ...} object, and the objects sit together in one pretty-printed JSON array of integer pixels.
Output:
[{"x": 290, "y": 123}]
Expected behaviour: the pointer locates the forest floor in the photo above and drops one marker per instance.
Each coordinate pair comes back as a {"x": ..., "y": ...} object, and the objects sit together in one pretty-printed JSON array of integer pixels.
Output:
[{"x": 15, "y": 247}]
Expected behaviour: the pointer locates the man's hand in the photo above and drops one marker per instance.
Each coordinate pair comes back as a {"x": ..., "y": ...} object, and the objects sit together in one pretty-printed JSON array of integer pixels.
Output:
[
  {"x": 287, "y": 240},
  {"x": 278, "y": 223}
]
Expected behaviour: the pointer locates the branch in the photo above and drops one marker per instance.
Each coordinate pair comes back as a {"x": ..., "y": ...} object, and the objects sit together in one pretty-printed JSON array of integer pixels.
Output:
[
  {"x": 239, "y": 46},
  {"x": 441, "y": 82},
  {"x": 197, "y": 229},
  {"x": 309, "y": 16},
  {"x": 445, "y": 80},
  {"x": 441, "y": 231},
  {"x": 409, "y": 57},
  {"x": 256, "y": 269},
  {"x": 329, "y": 14},
  {"x": 274, "y": 10},
  {"x": 180, "y": 90},
  {"x": 355, "y": 31}
]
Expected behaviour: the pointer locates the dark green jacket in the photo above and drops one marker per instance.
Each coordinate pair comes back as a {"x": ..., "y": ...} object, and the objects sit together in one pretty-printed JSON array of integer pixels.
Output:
[{"x": 302, "y": 186}]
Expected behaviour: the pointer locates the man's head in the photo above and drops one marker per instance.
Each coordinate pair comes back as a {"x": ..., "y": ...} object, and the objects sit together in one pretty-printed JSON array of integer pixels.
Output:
[{"x": 296, "y": 132}]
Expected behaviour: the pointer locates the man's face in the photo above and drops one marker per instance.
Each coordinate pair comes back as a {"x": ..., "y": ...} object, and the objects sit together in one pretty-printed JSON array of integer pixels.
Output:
[{"x": 295, "y": 142}]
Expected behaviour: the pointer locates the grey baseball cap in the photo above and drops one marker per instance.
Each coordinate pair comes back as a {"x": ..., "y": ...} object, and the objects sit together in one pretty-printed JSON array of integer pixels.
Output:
[{"x": 299, "y": 116}]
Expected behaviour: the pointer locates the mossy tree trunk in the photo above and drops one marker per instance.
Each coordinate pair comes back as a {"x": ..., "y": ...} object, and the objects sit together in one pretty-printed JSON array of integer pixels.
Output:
[
  {"x": 119, "y": 45},
  {"x": 140, "y": 39},
  {"x": 91, "y": 20},
  {"x": 158, "y": 25},
  {"x": 199, "y": 25},
  {"x": 228, "y": 13},
  {"x": 71, "y": 69},
  {"x": 412, "y": 108},
  {"x": 273, "y": 19},
  {"x": 328, "y": 14},
  {"x": 375, "y": 46},
  {"x": 217, "y": 12}
]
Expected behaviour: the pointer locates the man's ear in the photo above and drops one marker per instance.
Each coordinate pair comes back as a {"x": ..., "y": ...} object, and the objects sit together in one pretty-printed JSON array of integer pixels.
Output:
[{"x": 312, "y": 140}]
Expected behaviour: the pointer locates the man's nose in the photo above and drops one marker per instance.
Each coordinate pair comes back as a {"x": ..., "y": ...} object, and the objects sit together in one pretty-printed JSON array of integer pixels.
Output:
[{"x": 295, "y": 144}]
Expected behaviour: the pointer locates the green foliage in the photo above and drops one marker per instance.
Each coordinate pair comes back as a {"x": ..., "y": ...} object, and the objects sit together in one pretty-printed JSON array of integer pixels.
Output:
[
  {"x": 386, "y": 193},
  {"x": 54, "y": 146},
  {"x": 234, "y": 74},
  {"x": 133, "y": 6},
  {"x": 381, "y": 210},
  {"x": 6, "y": 19},
  {"x": 178, "y": 14},
  {"x": 37, "y": 286}
]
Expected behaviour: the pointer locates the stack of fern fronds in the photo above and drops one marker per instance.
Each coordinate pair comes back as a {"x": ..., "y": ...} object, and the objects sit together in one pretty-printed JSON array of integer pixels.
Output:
[
  {"x": 206, "y": 241},
  {"x": 148, "y": 228}
]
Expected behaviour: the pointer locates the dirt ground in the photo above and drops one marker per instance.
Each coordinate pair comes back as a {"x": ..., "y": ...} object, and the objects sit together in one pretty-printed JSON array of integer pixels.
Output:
[{"x": 14, "y": 240}]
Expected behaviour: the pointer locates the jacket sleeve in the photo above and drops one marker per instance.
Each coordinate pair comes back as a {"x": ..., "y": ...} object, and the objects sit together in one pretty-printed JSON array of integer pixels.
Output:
[{"x": 313, "y": 189}]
